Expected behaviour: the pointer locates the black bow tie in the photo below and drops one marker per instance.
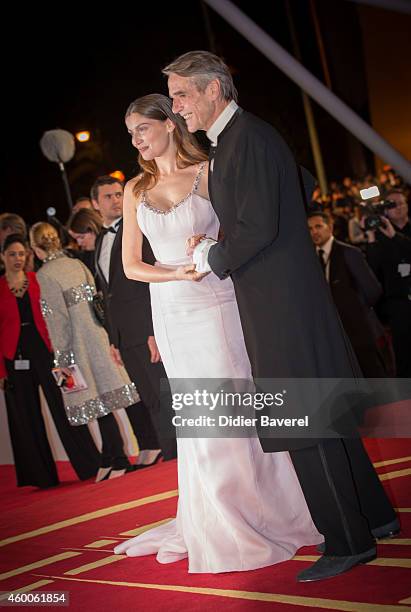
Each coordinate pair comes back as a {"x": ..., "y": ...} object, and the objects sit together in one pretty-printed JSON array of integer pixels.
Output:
[
  {"x": 106, "y": 230},
  {"x": 113, "y": 228},
  {"x": 212, "y": 151}
]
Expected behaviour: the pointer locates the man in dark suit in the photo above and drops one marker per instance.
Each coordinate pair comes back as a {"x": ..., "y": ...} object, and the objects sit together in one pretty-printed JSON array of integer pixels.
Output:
[
  {"x": 355, "y": 290},
  {"x": 289, "y": 321},
  {"x": 389, "y": 254},
  {"x": 130, "y": 328}
]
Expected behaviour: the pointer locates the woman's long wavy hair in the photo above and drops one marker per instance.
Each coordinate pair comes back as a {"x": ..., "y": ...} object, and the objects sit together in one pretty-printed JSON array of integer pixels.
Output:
[{"x": 159, "y": 107}]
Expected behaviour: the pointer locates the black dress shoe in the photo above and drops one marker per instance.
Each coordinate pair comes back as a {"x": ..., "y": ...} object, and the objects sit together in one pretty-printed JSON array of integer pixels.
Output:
[
  {"x": 328, "y": 567},
  {"x": 389, "y": 530}
]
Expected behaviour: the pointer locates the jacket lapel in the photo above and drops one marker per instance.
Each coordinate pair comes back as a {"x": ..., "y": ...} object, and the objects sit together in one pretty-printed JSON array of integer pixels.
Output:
[
  {"x": 213, "y": 150},
  {"x": 100, "y": 274},
  {"x": 115, "y": 251},
  {"x": 335, "y": 263}
]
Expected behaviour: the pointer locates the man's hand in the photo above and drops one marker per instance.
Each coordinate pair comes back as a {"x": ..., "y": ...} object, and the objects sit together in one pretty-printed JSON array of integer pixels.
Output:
[
  {"x": 155, "y": 356},
  {"x": 115, "y": 355},
  {"x": 387, "y": 228},
  {"x": 2, "y": 383},
  {"x": 189, "y": 273},
  {"x": 370, "y": 234},
  {"x": 193, "y": 242}
]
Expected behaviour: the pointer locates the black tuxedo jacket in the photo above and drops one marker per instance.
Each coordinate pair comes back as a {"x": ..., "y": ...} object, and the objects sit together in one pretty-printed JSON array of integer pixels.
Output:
[
  {"x": 290, "y": 324},
  {"x": 355, "y": 289},
  {"x": 127, "y": 302}
]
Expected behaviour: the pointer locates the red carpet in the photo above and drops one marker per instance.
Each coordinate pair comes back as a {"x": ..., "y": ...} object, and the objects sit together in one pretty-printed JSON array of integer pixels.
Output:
[{"x": 46, "y": 536}]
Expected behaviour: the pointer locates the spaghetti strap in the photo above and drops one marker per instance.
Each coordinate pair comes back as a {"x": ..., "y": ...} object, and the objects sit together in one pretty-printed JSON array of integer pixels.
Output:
[
  {"x": 146, "y": 202},
  {"x": 198, "y": 177}
]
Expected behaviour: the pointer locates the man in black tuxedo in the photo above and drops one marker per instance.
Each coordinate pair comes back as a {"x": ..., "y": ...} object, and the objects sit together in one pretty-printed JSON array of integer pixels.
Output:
[
  {"x": 355, "y": 290},
  {"x": 290, "y": 324},
  {"x": 130, "y": 328}
]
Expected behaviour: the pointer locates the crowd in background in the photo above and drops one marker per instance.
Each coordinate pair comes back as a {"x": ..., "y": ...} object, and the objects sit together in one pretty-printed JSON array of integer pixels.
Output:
[
  {"x": 60, "y": 329},
  {"x": 364, "y": 250},
  {"x": 345, "y": 204}
]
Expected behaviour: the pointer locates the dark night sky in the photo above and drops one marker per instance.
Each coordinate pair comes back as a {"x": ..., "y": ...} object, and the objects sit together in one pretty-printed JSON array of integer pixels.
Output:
[{"x": 80, "y": 71}]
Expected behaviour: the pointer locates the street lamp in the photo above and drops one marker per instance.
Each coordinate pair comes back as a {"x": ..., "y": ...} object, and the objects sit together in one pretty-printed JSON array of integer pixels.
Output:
[
  {"x": 117, "y": 174},
  {"x": 83, "y": 136},
  {"x": 59, "y": 147}
]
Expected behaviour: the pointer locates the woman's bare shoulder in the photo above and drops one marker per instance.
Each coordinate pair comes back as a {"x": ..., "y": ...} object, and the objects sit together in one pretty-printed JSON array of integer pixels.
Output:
[
  {"x": 129, "y": 186},
  {"x": 129, "y": 190}
]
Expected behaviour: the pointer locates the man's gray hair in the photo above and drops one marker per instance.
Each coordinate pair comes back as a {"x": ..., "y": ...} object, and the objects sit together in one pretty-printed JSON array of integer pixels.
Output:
[{"x": 204, "y": 67}]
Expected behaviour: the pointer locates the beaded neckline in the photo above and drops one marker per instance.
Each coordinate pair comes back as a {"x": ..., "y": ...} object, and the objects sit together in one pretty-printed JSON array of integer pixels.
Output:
[
  {"x": 54, "y": 255},
  {"x": 19, "y": 291},
  {"x": 194, "y": 188}
]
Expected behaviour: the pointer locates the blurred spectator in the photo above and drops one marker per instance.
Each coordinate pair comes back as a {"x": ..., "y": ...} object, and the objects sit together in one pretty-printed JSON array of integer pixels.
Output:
[
  {"x": 67, "y": 290},
  {"x": 355, "y": 290},
  {"x": 340, "y": 217},
  {"x": 356, "y": 232},
  {"x": 26, "y": 360},
  {"x": 389, "y": 255},
  {"x": 80, "y": 203},
  {"x": 350, "y": 188},
  {"x": 84, "y": 226},
  {"x": 11, "y": 223},
  {"x": 399, "y": 216},
  {"x": 66, "y": 240}
]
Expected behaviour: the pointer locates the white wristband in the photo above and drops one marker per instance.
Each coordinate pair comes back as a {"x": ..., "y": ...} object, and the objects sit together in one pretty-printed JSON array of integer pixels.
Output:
[{"x": 200, "y": 255}]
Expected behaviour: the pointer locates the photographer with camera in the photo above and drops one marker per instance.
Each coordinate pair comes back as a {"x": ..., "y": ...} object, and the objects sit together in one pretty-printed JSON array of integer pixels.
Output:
[
  {"x": 398, "y": 214},
  {"x": 388, "y": 252}
]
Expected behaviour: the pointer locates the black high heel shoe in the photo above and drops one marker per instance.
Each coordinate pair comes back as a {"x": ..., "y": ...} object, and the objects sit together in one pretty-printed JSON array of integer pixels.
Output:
[
  {"x": 103, "y": 474},
  {"x": 141, "y": 466},
  {"x": 121, "y": 472}
]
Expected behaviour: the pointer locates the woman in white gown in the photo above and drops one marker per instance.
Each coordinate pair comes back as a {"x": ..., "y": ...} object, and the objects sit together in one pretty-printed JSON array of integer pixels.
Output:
[{"x": 239, "y": 508}]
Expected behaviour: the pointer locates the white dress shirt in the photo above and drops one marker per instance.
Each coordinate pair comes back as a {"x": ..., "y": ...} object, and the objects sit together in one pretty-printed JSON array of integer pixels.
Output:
[
  {"x": 327, "y": 252},
  {"x": 219, "y": 124},
  {"x": 200, "y": 254},
  {"x": 106, "y": 246}
]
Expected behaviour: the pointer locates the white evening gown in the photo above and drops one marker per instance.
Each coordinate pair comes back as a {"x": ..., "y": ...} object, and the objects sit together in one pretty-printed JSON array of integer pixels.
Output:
[{"x": 239, "y": 508}]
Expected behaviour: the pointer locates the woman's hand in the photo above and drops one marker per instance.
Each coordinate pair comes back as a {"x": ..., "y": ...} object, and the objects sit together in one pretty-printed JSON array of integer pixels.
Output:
[
  {"x": 193, "y": 242},
  {"x": 189, "y": 273},
  {"x": 155, "y": 356},
  {"x": 115, "y": 355}
]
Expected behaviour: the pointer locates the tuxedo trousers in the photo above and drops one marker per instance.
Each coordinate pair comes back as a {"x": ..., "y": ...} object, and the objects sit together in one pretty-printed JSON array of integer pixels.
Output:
[
  {"x": 399, "y": 319},
  {"x": 343, "y": 493},
  {"x": 151, "y": 424}
]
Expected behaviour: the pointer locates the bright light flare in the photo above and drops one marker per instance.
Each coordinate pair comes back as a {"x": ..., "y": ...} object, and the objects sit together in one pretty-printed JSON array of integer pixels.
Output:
[
  {"x": 83, "y": 136},
  {"x": 117, "y": 174}
]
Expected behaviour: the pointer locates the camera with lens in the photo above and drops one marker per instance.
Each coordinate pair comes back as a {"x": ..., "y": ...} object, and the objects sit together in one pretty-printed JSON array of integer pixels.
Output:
[{"x": 374, "y": 212}]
